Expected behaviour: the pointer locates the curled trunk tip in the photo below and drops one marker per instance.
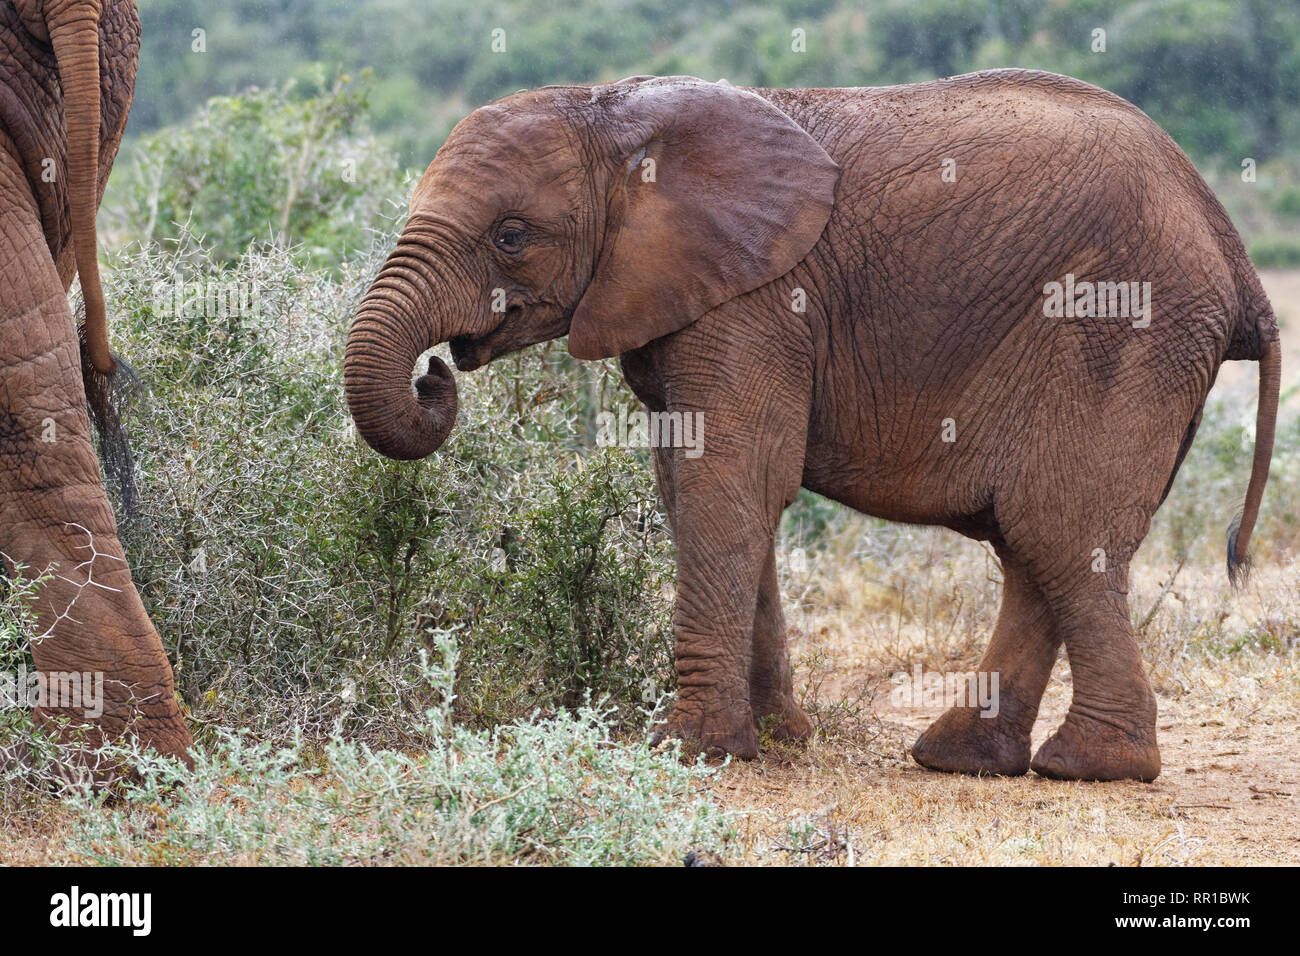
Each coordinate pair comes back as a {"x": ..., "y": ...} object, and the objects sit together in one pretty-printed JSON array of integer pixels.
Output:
[{"x": 396, "y": 420}]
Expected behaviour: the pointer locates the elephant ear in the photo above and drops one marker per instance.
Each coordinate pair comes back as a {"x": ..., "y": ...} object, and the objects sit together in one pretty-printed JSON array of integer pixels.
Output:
[{"x": 734, "y": 196}]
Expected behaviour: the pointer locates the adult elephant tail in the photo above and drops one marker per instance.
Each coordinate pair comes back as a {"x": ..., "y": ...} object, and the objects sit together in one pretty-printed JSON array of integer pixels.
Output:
[
  {"x": 72, "y": 29},
  {"x": 1270, "y": 383}
]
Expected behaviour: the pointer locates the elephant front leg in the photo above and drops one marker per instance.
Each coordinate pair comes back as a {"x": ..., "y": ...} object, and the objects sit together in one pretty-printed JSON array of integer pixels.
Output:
[
  {"x": 718, "y": 564},
  {"x": 771, "y": 682},
  {"x": 93, "y": 640},
  {"x": 724, "y": 495},
  {"x": 730, "y": 635}
]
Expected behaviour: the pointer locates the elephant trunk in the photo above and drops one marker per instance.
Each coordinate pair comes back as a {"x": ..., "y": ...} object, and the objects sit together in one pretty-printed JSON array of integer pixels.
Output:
[
  {"x": 393, "y": 326},
  {"x": 74, "y": 33}
]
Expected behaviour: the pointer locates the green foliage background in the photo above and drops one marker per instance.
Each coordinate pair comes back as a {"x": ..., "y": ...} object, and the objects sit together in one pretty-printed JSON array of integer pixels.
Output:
[{"x": 1222, "y": 76}]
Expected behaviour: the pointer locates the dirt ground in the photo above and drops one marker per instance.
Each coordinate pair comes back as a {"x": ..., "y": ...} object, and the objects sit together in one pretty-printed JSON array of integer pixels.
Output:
[{"x": 1228, "y": 794}]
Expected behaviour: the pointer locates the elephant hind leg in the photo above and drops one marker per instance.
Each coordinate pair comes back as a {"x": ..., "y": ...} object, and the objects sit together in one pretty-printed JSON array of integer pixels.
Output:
[
  {"x": 1110, "y": 730},
  {"x": 1077, "y": 535},
  {"x": 1016, "y": 667}
]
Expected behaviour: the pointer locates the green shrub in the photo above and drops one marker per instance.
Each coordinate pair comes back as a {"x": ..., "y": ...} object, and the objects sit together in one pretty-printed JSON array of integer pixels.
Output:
[
  {"x": 293, "y": 572},
  {"x": 291, "y": 165},
  {"x": 558, "y": 790}
]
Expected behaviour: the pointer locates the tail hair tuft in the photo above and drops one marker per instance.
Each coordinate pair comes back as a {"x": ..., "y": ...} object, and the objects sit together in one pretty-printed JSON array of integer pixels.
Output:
[
  {"x": 107, "y": 396},
  {"x": 1238, "y": 568}
]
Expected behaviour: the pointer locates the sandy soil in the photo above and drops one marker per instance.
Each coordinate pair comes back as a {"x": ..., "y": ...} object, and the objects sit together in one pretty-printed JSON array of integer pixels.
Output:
[{"x": 1228, "y": 795}]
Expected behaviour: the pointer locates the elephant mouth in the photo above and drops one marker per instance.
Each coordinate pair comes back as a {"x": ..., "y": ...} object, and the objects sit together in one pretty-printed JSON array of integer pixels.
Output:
[
  {"x": 467, "y": 353},
  {"x": 511, "y": 334},
  {"x": 474, "y": 351}
]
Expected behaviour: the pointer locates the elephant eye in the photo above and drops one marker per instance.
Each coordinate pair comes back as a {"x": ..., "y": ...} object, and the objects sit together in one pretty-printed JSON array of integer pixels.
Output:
[{"x": 509, "y": 238}]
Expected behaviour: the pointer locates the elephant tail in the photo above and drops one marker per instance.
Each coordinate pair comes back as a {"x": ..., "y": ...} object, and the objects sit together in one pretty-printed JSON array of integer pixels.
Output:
[
  {"x": 1270, "y": 383},
  {"x": 107, "y": 395},
  {"x": 74, "y": 33}
]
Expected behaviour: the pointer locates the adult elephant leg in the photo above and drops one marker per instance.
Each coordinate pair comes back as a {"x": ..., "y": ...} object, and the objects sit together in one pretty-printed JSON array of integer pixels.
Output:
[
  {"x": 967, "y": 739},
  {"x": 54, "y": 513},
  {"x": 771, "y": 683}
]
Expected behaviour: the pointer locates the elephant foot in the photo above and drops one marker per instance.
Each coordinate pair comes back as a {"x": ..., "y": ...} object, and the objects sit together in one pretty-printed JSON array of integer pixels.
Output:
[
  {"x": 961, "y": 741},
  {"x": 1084, "y": 748},
  {"x": 170, "y": 737},
  {"x": 782, "y": 720},
  {"x": 165, "y": 734},
  {"x": 714, "y": 733}
]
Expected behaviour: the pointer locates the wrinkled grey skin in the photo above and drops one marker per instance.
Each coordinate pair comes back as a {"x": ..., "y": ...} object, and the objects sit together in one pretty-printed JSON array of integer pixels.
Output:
[
  {"x": 924, "y": 321},
  {"x": 67, "y": 73}
]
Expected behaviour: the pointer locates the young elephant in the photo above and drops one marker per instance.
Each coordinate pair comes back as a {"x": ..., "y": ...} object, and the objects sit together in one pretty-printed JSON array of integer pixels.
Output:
[{"x": 994, "y": 302}]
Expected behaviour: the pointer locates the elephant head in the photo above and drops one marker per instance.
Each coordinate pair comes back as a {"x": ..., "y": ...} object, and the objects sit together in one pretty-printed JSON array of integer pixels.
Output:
[{"x": 616, "y": 214}]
